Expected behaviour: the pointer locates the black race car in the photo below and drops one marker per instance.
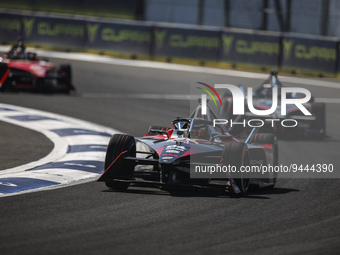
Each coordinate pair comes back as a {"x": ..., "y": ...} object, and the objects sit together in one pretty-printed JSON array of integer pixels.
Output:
[
  {"x": 307, "y": 126},
  {"x": 170, "y": 157}
]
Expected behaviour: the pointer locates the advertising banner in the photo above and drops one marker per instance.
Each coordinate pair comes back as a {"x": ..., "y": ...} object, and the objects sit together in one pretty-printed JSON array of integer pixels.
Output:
[
  {"x": 50, "y": 31},
  {"x": 42, "y": 31},
  {"x": 250, "y": 48},
  {"x": 272, "y": 50},
  {"x": 188, "y": 43},
  {"x": 309, "y": 53},
  {"x": 118, "y": 37},
  {"x": 338, "y": 60},
  {"x": 10, "y": 27}
]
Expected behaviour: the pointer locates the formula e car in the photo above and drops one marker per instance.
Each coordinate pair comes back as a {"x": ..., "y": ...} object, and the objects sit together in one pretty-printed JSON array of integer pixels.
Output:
[
  {"x": 300, "y": 124},
  {"x": 173, "y": 157},
  {"x": 22, "y": 70}
]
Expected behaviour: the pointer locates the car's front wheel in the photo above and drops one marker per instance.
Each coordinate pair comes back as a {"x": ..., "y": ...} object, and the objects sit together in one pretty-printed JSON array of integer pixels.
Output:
[{"x": 119, "y": 147}]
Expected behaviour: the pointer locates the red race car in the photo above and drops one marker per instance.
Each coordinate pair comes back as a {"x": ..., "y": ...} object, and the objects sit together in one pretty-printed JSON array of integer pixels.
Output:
[{"x": 21, "y": 70}]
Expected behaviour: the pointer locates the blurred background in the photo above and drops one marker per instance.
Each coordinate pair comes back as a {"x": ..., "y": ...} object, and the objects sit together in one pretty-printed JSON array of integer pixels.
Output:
[
  {"x": 293, "y": 36},
  {"x": 315, "y": 17}
]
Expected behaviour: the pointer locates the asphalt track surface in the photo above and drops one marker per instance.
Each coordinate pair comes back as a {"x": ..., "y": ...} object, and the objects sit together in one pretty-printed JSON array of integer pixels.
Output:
[
  {"x": 298, "y": 216},
  {"x": 16, "y": 145}
]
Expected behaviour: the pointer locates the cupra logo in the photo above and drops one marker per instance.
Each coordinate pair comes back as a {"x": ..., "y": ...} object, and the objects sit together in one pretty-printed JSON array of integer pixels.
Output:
[
  {"x": 227, "y": 43},
  {"x": 287, "y": 48},
  {"x": 92, "y": 31},
  {"x": 160, "y": 35},
  {"x": 28, "y": 25}
]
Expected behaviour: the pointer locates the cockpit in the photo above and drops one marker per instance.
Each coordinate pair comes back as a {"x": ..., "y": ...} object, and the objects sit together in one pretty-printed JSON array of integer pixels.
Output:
[{"x": 198, "y": 126}]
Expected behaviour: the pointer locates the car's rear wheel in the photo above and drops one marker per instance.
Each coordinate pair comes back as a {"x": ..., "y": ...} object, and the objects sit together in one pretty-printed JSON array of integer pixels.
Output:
[
  {"x": 8, "y": 83},
  {"x": 236, "y": 155},
  {"x": 268, "y": 138},
  {"x": 65, "y": 71},
  {"x": 119, "y": 147}
]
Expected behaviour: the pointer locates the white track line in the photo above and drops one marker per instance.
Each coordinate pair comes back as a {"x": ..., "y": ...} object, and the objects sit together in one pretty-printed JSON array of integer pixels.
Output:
[
  {"x": 173, "y": 97},
  {"x": 77, "y": 156}
]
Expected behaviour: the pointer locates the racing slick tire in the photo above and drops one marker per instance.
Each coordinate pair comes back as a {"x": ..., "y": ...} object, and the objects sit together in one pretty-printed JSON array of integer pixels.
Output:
[
  {"x": 120, "y": 146},
  {"x": 66, "y": 71},
  {"x": 268, "y": 138},
  {"x": 236, "y": 154},
  {"x": 6, "y": 86}
]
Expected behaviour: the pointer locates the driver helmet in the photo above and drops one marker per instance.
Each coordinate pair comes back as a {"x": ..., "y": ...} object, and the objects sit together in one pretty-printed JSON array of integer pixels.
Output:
[
  {"x": 181, "y": 129},
  {"x": 20, "y": 42},
  {"x": 18, "y": 53}
]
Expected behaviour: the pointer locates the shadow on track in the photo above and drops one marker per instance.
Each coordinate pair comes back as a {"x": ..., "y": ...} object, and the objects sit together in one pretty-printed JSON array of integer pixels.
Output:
[
  {"x": 325, "y": 139},
  {"x": 254, "y": 193}
]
